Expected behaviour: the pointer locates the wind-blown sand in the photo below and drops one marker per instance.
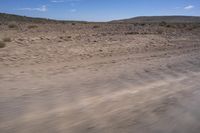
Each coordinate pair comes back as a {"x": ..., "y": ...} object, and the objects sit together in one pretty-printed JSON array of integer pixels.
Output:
[{"x": 100, "y": 78}]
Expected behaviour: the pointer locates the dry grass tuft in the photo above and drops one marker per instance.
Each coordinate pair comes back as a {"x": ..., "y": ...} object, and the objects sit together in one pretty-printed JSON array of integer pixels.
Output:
[
  {"x": 12, "y": 26},
  {"x": 32, "y": 26},
  {"x": 2, "y": 44},
  {"x": 132, "y": 33},
  {"x": 7, "y": 39},
  {"x": 163, "y": 23},
  {"x": 96, "y": 26}
]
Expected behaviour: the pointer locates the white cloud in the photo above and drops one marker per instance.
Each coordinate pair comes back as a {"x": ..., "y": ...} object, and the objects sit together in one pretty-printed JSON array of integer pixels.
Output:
[
  {"x": 61, "y": 1},
  {"x": 57, "y": 1},
  {"x": 73, "y": 10},
  {"x": 189, "y": 7},
  {"x": 73, "y": 0},
  {"x": 41, "y": 9}
]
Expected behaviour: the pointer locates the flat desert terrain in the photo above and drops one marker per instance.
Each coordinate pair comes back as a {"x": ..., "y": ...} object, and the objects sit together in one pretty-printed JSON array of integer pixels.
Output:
[{"x": 78, "y": 77}]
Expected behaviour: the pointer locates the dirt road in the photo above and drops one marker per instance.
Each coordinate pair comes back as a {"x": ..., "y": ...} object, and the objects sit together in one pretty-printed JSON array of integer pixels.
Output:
[
  {"x": 142, "y": 93},
  {"x": 101, "y": 83}
]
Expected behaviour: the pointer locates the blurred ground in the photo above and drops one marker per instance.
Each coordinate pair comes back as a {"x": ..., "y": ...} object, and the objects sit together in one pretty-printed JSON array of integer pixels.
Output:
[{"x": 100, "y": 78}]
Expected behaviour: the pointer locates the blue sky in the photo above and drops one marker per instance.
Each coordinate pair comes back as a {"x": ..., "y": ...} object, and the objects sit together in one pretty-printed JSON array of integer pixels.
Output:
[{"x": 99, "y": 10}]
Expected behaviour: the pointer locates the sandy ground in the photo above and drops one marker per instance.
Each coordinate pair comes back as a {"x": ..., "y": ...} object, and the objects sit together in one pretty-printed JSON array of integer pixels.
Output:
[{"x": 64, "y": 78}]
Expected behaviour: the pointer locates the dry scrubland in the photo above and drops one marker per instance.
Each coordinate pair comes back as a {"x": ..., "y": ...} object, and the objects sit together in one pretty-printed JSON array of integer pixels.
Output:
[{"x": 99, "y": 77}]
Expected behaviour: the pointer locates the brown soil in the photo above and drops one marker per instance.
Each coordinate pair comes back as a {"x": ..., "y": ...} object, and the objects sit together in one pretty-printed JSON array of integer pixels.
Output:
[{"x": 100, "y": 78}]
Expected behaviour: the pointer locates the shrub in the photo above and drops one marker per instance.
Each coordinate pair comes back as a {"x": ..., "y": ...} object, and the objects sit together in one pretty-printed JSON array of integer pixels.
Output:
[
  {"x": 96, "y": 26},
  {"x": 190, "y": 28},
  {"x": 7, "y": 39},
  {"x": 132, "y": 33},
  {"x": 12, "y": 26},
  {"x": 32, "y": 26},
  {"x": 168, "y": 26},
  {"x": 171, "y": 26},
  {"x": 61, "y": 37},
  {"x": 2, "y": 44},
  {"x": 142, "y": 24},
  {"x": 163, "y": 23},
  {"x": 159, "y": 31}
]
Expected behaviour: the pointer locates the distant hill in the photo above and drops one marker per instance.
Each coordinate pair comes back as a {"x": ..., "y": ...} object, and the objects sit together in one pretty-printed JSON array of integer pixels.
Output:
[
  {"x": 4, "y": 17},
  {"x": 169, "y": 19},
  {"x": 11, "y": 17}
]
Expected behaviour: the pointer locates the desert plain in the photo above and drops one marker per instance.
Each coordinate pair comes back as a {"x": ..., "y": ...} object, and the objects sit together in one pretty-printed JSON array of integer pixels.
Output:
[{"x": 114, "y": 77}]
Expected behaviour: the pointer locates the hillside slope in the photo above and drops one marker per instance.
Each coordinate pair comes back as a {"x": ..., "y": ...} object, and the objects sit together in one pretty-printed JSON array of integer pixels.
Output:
[
  {"x": 170, "y": 19},
  {"x": 4, "y": 17}
]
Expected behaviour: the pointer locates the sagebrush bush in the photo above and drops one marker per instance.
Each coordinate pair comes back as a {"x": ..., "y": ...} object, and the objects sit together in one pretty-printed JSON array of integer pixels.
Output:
[
  {"x": 7, "y": 39},
  {"x": 142, "y": 24},
  {"x": 96, "y": 26},
  {"x": 168, "y": 26},
  {"x": 159, "y": 31},
  {"x": 132, "y": 33},
  {"x": 163, "y": 23},
  {"x": 2, "y": 44},
  {"x": 12, "y": 26},
  {"x": 32, "y": 26}
]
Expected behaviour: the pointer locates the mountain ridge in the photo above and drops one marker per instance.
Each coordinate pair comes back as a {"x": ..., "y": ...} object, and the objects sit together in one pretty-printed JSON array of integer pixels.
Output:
[
  {"x": 170, "y": 19},
  {"x": 147, "y": 19}
]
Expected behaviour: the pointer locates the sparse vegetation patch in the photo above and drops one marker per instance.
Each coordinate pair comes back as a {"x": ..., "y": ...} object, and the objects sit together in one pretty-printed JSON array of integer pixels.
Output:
[
  {"x": 132, "y": 33},
  {"x": 96, "y": 26},
  {"x": 32, "y": 26},
  {"x": 73, "y": 23},
  {"x": 2, "y": 44},
  {"x": 7, "y": 39},
  {"x": 163, "y": 23},
  {"x": 12, "y": 26}
]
